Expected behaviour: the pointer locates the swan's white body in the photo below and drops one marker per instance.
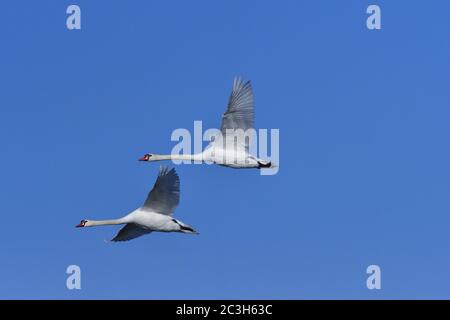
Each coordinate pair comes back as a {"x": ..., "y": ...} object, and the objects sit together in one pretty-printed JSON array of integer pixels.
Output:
[
  {"x": 239, "y": 158},
  {"x": 154, "y": 215},
  {"x": 224, "y": 151},
  {"x": 220, "y": 156}
]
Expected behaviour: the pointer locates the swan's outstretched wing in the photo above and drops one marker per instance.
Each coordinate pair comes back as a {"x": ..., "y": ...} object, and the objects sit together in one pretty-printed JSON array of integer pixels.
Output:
[
  {"x": 165, "y": 195},
  {"x": 130, "y": 231},
  {"x": 240, "y": 116},
  {"x": 240, "y": 113}
]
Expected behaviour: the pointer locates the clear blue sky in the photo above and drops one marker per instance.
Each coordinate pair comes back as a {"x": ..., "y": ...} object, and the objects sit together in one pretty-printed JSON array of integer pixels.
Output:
[{"x": 364, "y": 158}]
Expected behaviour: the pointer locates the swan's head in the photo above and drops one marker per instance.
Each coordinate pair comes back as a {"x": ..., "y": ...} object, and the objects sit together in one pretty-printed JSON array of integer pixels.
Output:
[
  {"x": 82, "y": 224},
  {"x": 147, "y": 157}
]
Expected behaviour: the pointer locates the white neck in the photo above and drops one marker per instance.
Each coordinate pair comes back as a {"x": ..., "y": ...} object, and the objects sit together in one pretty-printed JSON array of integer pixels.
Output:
[
  {"x": 189, "y": 157},
  {"x": 93, "y": 223}
]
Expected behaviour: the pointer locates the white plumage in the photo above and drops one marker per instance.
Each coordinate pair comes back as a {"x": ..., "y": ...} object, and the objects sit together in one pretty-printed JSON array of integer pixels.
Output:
[
  {"x": 154, "y": 215},
  {"x": 231, "y": 149}
]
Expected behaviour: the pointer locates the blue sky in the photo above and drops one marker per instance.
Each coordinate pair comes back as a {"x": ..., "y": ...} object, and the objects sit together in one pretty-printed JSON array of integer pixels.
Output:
[{"x": 364, "y": 148}]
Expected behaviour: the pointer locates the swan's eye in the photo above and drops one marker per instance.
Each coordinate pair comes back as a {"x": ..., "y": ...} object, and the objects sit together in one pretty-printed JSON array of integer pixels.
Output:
[{"x": 149, "y": 155}]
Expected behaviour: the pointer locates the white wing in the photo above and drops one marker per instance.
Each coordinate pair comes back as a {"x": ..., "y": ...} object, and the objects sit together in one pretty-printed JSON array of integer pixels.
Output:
[
  {"x": 130, "y": 231},
  {"x": 240, "y": 116},
  {"x": 165, "y": 195},
  {"x": 240, "y": 113}
]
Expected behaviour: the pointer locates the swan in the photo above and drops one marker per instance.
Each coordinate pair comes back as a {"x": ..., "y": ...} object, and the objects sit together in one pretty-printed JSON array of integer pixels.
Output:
[
  {"x": 231, "y": 147},
  {"x": 154, "y": 215}
]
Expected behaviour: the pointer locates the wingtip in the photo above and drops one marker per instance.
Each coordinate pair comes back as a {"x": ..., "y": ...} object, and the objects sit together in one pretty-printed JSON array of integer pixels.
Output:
[
  {"x": 165, "y": 170},
  {"x": 239, "y": 83}
]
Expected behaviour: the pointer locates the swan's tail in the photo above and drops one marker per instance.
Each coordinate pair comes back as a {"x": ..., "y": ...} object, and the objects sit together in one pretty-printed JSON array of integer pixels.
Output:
[
  {"x": 264, "y": 164},
  {"x": 188, "y": 229},
  {"x": 185, "y": 228}
]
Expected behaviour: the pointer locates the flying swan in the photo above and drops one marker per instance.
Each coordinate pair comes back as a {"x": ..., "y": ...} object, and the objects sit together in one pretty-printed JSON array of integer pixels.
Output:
[
  {"x": 154, "y": 215},
  {"x": 231, "y": 149}
]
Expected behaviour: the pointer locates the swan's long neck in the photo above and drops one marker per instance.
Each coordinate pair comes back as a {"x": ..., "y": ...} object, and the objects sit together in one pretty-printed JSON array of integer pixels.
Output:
[
  {"x": 188, "y": 157},
  {"x": 93, "y": 223}
]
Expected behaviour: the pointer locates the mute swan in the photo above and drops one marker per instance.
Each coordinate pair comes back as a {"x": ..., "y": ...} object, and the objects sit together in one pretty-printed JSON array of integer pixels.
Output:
[
  {"x": 154, "y": 215},
  {"x": 231, "y": 149}
]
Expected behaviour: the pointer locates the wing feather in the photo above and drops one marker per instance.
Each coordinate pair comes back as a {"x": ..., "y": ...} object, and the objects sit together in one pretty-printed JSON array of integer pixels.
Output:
[
  {"x": 165, "y": 195},
  {"x": 240, "y": 113},
  {"x": 130, "y": 231}
]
